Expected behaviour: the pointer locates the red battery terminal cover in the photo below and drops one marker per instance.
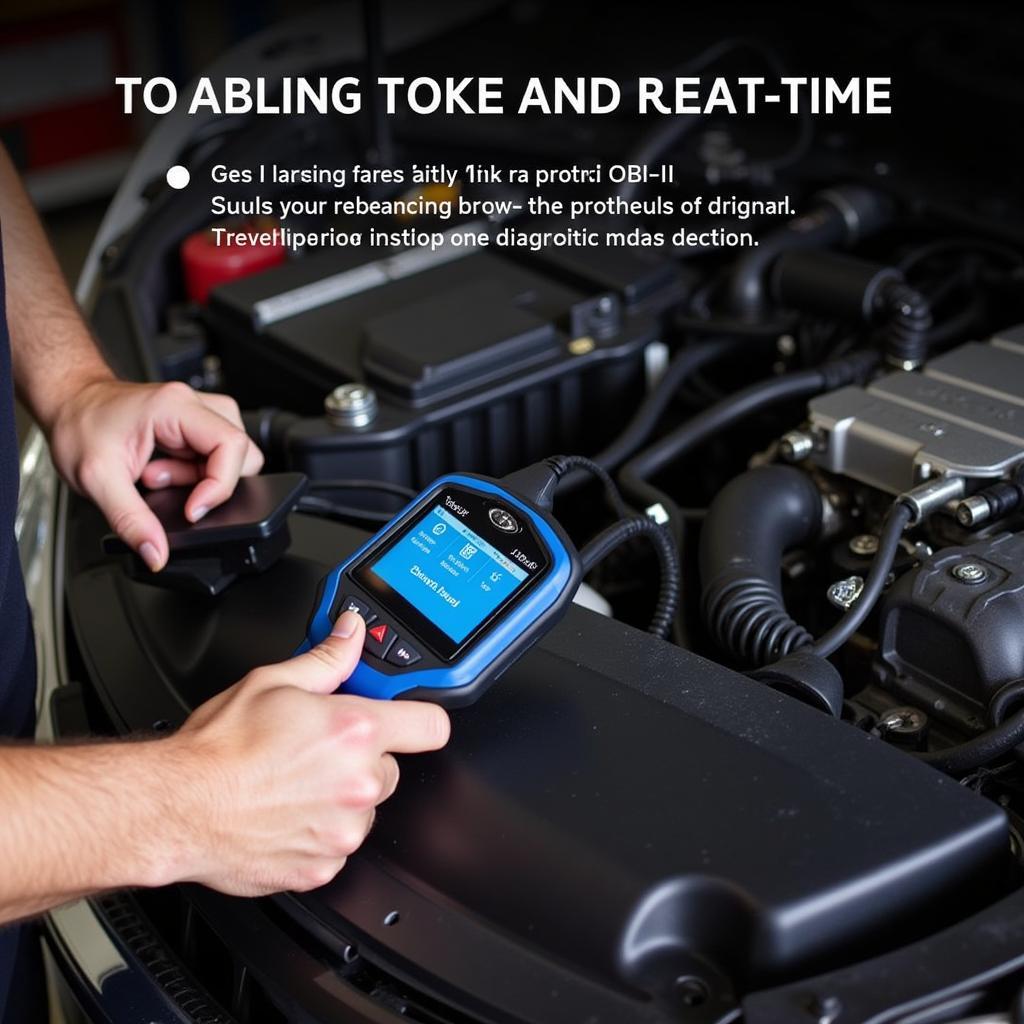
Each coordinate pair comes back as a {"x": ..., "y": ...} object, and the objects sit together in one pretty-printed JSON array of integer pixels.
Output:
[{"x": 206, "y": 264}]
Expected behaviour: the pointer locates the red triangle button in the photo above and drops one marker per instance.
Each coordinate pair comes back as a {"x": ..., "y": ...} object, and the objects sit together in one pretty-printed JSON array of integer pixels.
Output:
[{"x": 378, "y": 632}]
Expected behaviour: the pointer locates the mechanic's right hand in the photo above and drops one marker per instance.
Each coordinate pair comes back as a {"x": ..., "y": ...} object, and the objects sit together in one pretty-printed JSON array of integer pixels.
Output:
[{"x": 284, "y": 775}]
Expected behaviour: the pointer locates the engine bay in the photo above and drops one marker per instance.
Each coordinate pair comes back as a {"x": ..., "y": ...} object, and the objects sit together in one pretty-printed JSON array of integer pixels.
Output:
[{"x": 820, "y": 770}]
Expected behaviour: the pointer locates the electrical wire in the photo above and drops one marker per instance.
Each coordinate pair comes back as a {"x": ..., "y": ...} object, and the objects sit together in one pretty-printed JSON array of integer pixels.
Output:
[
  {"x": 562, "y": 465},
  {"x": 621, "y": 533},
  {"x": 635, "y": 475},
  {"x": 686, "y": 363},
  {"x": 333, "y": 510},
  {"x": 312, "y": 504},
  {"x": 897, "y": 519},
  {"x": 385, "y": 486}
]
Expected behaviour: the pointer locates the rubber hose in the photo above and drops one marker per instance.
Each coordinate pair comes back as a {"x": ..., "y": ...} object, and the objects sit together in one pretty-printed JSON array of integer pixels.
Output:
[
  {"x": 908, "y": 321},
  {"x": 635, "y": 474},
  {"x": 640, "y": 526},
  {"x": 841, "y": 216},
  {"x": 752, "y": 522},
  {"x": 980, "y": 750}
]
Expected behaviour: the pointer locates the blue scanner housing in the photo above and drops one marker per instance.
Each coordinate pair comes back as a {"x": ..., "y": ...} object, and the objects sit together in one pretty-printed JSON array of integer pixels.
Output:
[{"x": 454, "y": 589}]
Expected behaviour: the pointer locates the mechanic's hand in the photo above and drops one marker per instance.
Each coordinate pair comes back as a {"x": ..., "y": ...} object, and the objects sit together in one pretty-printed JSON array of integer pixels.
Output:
[
  {"x": 102, "y": 441},
  {"x": 284, "y": 775}
]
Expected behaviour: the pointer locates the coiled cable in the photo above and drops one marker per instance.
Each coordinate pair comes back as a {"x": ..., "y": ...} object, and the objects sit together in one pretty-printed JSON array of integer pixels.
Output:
[{"x": 621, "y": 533}]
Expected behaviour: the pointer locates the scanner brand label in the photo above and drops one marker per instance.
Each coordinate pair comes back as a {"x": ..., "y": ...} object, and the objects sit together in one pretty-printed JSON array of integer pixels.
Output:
[{"x": 459, "y": 510}]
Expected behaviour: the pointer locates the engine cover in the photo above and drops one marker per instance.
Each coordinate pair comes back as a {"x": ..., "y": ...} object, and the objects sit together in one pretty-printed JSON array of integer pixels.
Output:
[
  {"x": 615, "y": 814},
  {"x": 962, "y": 415}
]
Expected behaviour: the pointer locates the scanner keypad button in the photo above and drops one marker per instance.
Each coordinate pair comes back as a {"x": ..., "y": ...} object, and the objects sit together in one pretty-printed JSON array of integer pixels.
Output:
[
  {"x": 403, "y": 654},
  {"x": 379, "y": 638},
  {"x": 353, "y": 604}
]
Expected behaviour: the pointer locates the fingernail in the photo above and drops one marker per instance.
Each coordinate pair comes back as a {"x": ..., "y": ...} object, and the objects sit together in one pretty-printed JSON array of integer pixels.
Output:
[
  {"x": 198, "y": 513},
  {"x": 162, "y": 478},
  {"x": 346, "y": 626},
  {"x": 149, "y": 554}
]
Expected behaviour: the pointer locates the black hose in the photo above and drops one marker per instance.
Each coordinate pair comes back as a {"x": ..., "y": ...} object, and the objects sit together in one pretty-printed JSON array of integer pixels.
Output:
[
  {"x": 980, "y": 750},
  {"x": 888, "y": 544},
  {"x": 840, "y": 216},
  {"x": 635, "y": 475},
  {"x": 999, "y": 707},
  {"x": 753, "y": 521},
  {"x": 625, "y": 530},
  {"x": 907, "y": 322}
]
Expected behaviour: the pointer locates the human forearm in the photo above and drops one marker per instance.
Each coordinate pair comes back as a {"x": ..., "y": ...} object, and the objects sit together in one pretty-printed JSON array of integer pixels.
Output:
[
  {"x": 80, "y": 819},
  {"x": 54, "y": 353}
]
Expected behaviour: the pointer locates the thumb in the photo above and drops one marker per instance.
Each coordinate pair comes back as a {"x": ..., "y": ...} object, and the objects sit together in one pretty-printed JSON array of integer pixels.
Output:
[
  {"x": 130, "y": 517},
  {"x": 323, "y": 668}
]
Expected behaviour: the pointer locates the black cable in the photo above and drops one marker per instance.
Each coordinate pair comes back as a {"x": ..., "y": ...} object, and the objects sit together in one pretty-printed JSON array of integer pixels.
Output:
[
  {"x": 897, "y": 519},
  {"x": 386, "y": 486},
  {"x": 686, "y": 362},
  {"x": 332, "y": 510},
  {"x": 625, "y": 530},
  {"x": 562, "y": 465},
  {"x": 635, "y": 475}
]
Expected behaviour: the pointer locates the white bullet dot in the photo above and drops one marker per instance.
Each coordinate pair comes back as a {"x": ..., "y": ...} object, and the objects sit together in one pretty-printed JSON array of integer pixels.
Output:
[{"x": 177, "y": 176}]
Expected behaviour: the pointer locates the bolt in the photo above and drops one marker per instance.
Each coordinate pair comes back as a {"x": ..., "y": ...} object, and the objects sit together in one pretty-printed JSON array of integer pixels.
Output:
[
  {"x": 796, "y": 446},
  {"x": 864, "y": 544},
  {"x": 903, "y": 720},
  {"x": 605, "y": 304},
  {"x": 786, "y": 345},
  {"x": 351, "y": 405},
  {"x": 970, "y": 573},
  {"x": 973, "y": 511},
  {"x": 844, "y": 593}
]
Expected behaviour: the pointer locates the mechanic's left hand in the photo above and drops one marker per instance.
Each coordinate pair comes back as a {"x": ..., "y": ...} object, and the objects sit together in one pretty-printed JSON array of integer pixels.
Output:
[{"x": 102, "y": 441}]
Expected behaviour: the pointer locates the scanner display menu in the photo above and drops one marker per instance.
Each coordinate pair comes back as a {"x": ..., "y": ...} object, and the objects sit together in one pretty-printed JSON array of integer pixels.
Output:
[{"x": 449, "y": 573}]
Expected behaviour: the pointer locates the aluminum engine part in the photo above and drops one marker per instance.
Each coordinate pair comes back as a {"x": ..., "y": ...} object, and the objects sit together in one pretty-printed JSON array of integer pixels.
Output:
[{"x": 961, "y": 415}]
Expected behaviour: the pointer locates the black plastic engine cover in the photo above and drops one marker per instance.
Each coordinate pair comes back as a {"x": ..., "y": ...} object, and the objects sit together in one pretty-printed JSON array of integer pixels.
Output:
[{"x": 615, "y": 814}]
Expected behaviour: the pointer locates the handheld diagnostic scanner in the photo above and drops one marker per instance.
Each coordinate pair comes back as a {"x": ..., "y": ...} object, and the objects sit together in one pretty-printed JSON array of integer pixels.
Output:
[{"x": 453, "y": 590}]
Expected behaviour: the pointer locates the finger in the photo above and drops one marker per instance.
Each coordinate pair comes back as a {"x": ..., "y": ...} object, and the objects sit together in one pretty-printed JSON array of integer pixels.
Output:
[
  {"x": 224, "y": 446},
  {"x": 325, "y": 667},
  {"x": 253, "y": 461},
  {"x": 129, "y": 516},
  {"x": 222, "y": 405},
  {"x": 171, "y": 473},
  {"x": 390, "y": 774},
  {"x": 220, "y": 475},
  {"x": 183, "y": 469},
  {"x": 226, "y": 406},
  {"x": 411, "y": 726}
]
